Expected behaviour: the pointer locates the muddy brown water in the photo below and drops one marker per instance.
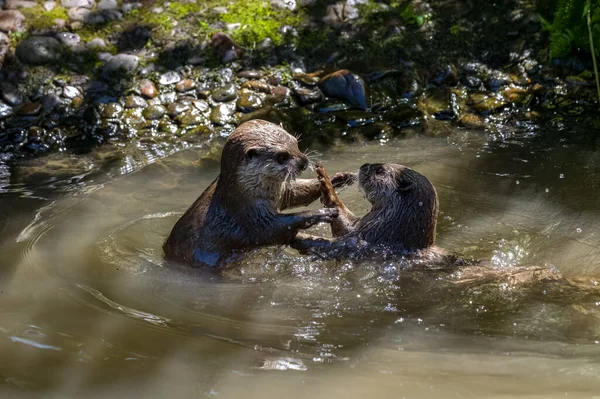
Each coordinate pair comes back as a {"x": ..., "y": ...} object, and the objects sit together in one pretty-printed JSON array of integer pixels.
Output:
[{"x": 89, "y": 308}]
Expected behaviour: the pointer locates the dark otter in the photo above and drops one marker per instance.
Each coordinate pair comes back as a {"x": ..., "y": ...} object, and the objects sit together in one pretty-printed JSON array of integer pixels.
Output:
[
  {"x": 239, "y": 210},
  {"x": 402, "y": 220}
]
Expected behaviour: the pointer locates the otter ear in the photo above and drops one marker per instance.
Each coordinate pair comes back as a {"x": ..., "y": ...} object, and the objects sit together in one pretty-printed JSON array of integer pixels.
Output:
[
  {"x": 252, "y": 153},
  {"x": 405, "y": 186}
]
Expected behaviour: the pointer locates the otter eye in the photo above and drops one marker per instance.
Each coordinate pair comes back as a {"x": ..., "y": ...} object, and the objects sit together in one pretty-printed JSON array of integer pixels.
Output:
[
  {"x": 282, "y": 157},
  {"x": 252, "y": 153},
  {"x": 380, "y": 170}
]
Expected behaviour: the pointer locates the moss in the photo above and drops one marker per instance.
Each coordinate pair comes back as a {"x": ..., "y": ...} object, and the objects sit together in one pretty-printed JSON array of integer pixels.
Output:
[
  {"x": 258, "y": 21},
  {"x": 38, "y": 18}
]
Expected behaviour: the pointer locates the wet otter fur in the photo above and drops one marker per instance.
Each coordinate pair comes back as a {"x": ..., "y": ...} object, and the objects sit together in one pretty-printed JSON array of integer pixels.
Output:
[
  {"x": 402, "y": 219},
  {"x": 240, "y": 208}
]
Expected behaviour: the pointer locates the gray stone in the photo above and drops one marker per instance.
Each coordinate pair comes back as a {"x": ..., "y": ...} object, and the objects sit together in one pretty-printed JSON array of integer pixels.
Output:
[
  {"x": 104, "y": 56},
  {"x": 191, "y": 117},
  {"x": 121, "y": 62},
  {"x": 133, "y": 101},
  {"x": 107, "y": 5},
  {"x": 96, "y": 44},
  {"x": 39, "y": 50},
  {"x": 168, "y": 97},
  {"x": 77, "y": 3},
  {"x": 5, "y": 110},
  {"x": 346, "y": 86},
  {"x": 10, "y": 94},
  {"x": 69, "y": 39},
  {"x": 307, "y": 95},
  {"x": 201, "y": 106},
  {"x": 128, "y": 7},
  {"x": 220, "y": 10},
  {"x": 60, "y": 23},
  {"x": 284, "y": 4},
  {"x": 81, "y": 14},
  {"x": 16, "y": 4},
  {"x": 4, "y": 47},
  {"x": 49, "y": 101},
  {"x": 157, "y": 10},
  {"x": 111, "y": 15},
  {"x": 169, "y": 78},
  {"x": 11, "y": 21},
  {"x": 222, "y": 114},
  {"x": 49, "y": 5},
  {"x": 175, "y": 109},
  {"x": 112, "y": 111},
  {"x": 265, "y": 45},
  {"x": 154, "y": 112},
  {"x": 224, "y": 94},
  {"x": 248, "y": 101},
  {"x": 233, "y": 26},
  {"x": 71, "y": 92}
]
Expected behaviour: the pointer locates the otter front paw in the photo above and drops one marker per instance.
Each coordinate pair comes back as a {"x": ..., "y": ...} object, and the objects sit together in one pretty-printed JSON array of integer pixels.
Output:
[
  {"x": 324, "y": 215},
  {"x": 343, "y": 179}
]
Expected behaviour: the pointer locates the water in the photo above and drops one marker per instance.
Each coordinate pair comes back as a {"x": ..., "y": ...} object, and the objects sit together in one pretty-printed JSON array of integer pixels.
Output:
[{"x": 88, "y": 307}]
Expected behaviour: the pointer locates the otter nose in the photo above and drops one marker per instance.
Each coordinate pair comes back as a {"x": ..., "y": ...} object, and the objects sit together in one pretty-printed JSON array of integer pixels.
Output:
[{"x": 303, "y": 163}]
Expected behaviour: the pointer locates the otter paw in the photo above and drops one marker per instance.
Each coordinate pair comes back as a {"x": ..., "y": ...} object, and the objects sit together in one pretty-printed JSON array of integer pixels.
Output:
[
  {"x": 342, "y": 179},
  {"x": 326, "y": 215}
]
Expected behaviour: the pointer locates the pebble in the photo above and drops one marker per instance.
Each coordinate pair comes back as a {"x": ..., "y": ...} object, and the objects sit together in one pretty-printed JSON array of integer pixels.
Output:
[
  {"x": 5, "y": 110},
  {"x": 11, "y": 21},
  {"x": 148, "y": 89},
  {"x": 96, "y": 44},
  {"x": 77, "y": 3},
  {"x": 168, "y": 97},
  {"x": 249, "y": 74},
  {"x": 169, "y": 78},
  {"x": 69, "y": 39},
  {"x": 284, "y": 4},
  {"x": 107, "y": 5},
  {"x": 71, "y": 92},
  {"x": 128, "y": 7},
  {"x": 16, "y": 4},
  {"x": 133, "y": 101},
  {"x": 10, "y": 94},
  {"x": 175, "y": 109},
  {"x": 49, "y": 5},
  {"x": 220, "y": 10},
  {"x": 346, "y": 86},
  {"x": 30, "y": 109},
  {"x": 222, "y": 114},
  {"x": 85, "y": 15},
  {"x": 248, "y": 101},
  {"x": 307, "y": 95},
  {"x": 121, "y": 62},
  {"x": 201, "y": 106},
  {"x": 185, "y": 85},
  {"x": 224, "y": 94},
  {"x": 190, "y": 117},
  {"x": 154, "y": 112},
  {"x": 39, "y": 50},
  {"x": 49, "y": 101}
]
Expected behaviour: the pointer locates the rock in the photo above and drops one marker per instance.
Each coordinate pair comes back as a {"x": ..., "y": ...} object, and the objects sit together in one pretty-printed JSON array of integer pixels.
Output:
[
  {"x": 346, "y": 86},
  {"x": 112, "y": 111},
  {"x": 224, "y": 94},
  {"x": 49, "y": 5},
  {"x": 154, "y": 112},
  {"x": 11, "y": 21},
  {"x": 107, "y": 5},
  {"x": 39, "y": 50},
  {"x": 233, "y": 26},
  {"x": 472, "y": 121},
  {"x": 190, "y": 117},
  {"x": 104, "y": 56},
  {"x": 128, "y": 7},
  {"x": 111, "y": 15},
  {"x": 168, "y": 97},
  {"x": 279, "y": 95},
  {"x": 201, "y": 106},
  {"x": 250, "y": 74},
  {"x": 49, "y": 101},
  {"x": 77, "y": 102},
  {"x": 60, "y": 23},
  {"x": 225, "y": 48},
  {"x": 133, "y": 101},
  {"x": 71, "y": 92},
  {"x": 307, "y": 79},
  {"x": 306, "y": 95},
  {"x": 175, "y": 109},
  {"x": 69, "y": 39},
  {"x": 219, "y": 10},
  {"x": 437, "y": 102},
  {"x": 222, "y": 114},
  {"x": 4, "y": 47},
  {"x": 257, "y": 85},
  {"x": 77, "y": 3},
  {"x": 284, "y": 4},
  {"x": 447, "y": 75},
  {"x": 248, "y": 101},
  {"x": 169, "y": 78},
  {"x": 516, "y": 95},
  {"x": 30, "y": 109},
  {"x": 121, "y": 62},
  {"x": 265, "y": 45},
  {"x": 85, "y": 15},
  {"x": 185, "y": 85},
  {"x": 485, "y": 103},
  {"x": 5, "y": 110},
  {"x": 96, "y": 44},
  {"x": 10, "y": 94},
  {"x": 16, "y": 4},
  {"x": 148, "y": 89}
]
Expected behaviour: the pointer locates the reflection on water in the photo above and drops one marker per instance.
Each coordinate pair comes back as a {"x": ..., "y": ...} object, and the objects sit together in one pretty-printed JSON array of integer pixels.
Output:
[{"x": 89, "y": 308}]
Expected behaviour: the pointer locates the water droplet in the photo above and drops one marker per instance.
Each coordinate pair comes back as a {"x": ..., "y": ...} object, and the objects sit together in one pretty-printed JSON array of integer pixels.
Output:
[
  {"x": 578, "y": 230},
  {"x": 420, "y": 203},
  {"x": 547, "y": 190},
  {"x": 518, "y": 182},
  {"x": 561, "y": 176}
]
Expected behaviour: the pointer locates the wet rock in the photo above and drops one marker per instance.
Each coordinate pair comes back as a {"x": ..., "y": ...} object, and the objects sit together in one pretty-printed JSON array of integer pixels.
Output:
[
  {"x": 107, "y": 5},
  {"x": 201, "y": 106},
  {"x": 169, "y": 78},
  {"x": 39, "y": 50},
  {"x": 190, "y": 117},
  {"x": 485, "y": 103},
  {"x": 16, "y": 4},
  {"x": 284, "y": 4},
  {"x": 249, "y": 74},
  {"x": 306, "y": 95},
  {"x": 224, "y": 94},
  {"x": 69, "y": 39},
  {"x": 11, "y": 21},
  {"x": 4, "y": 47},
  {"x": 5, "y": 110},
  {"x": 30, "y": 109},
  {"x": 168, "y": 97},
  {"x": 121, "y": 62},
  {"x": 77, "y": 3},
  {"x": 256, "y": 85},
  {"x": 128, "y": 7},
  {"x": 111, "y": 15},
  {"x": 71, "y": 92},
  {"x": 225, "y": 48},
  {"x": 472, "y": 121},
  {"x": 49, "y": 101},
  {"x": 437, "y": 103},
  {"x": 165, "y": 126},
  {"x": 472, "y": 81},
  {"x": 516, "y": 95},
  {"x": 222, "y": 114},
  {"x": 346, "y": 86},
  {"x": 85, "y": 15},
  {"x": 112, "y": 111},
  {"x": 77, "y": 102},
  {"x": 96, "y": 44},
  {"x": 148, "y": 89},
  {"x": 265, "y": 45},
  {"x": 133, "y": 101},
  {"x": 278, "y": 95},
  {"x": 154, "y": 112},
  {"x": 307, "y": 79},
  {"x": 10, "y": 94},
  {"x": 447, "y": 75},
  {"x": 248, "y": 101},
  {"x": 133, "y": 116},
  {"x": 185, "y": 85},
  {"x": 175, "y": 109},
  {"x": 49, "y": 5}
]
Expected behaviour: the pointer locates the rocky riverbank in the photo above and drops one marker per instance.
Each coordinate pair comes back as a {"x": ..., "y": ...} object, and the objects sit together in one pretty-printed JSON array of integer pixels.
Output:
[{"x": 77, "y": 74}]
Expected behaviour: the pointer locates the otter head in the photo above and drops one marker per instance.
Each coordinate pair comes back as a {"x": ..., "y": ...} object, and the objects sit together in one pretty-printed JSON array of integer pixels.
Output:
[
  {"x": 405, "y": 204},
  {"x": 259, "y": 157}
]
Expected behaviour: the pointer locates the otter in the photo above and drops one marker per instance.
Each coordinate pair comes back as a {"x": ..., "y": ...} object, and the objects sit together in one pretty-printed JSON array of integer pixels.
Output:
[
  {"x": 240, "y": 208},
  {"x": 402, "y": 219}
]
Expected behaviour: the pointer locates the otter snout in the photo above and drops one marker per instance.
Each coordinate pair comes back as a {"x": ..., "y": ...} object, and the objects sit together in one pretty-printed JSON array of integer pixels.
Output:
[{"x": 302, "y": 162}]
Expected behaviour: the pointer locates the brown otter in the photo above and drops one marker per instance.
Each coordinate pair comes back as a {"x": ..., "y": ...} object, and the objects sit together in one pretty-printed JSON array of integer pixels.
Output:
[
  {"x": 239, "y": 210},
  {"x": 402, "y": 220}
]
